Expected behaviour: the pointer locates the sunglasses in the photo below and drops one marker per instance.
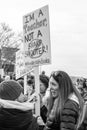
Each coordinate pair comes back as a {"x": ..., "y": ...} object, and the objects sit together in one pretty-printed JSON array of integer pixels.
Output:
[{"x": 55, "y": 73}]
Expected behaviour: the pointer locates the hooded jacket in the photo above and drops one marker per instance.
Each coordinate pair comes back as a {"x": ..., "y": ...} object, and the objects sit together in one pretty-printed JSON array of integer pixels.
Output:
[{"x": 17, "y": 119}]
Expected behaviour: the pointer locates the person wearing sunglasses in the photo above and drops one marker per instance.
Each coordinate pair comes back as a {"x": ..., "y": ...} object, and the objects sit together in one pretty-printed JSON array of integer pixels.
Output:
[{"x": 65, "y": 103}]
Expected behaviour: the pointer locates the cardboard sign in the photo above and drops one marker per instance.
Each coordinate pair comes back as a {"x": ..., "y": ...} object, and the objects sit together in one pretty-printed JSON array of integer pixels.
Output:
[
  {"x": 37, "y": 37},
  {"x": 21, "y": 70},
  {"x": 19, "y": 64}
]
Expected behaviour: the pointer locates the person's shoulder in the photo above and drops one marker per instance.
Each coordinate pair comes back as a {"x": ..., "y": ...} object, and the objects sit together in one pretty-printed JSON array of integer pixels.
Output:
[
  {"x": 71, "y": 104},
  {"x": 70, "y": 110},
  {"x": 72, "y": 101}
]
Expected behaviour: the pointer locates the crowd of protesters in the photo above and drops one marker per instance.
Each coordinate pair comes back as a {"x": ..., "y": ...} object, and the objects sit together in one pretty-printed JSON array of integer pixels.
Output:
[{"x": 61, "y": 103}]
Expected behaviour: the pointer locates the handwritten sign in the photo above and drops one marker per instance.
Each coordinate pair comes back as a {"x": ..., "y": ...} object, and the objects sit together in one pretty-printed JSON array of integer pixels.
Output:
[
  {"x": 20, "y": 65},
  {"x": 37, "y": 37}
]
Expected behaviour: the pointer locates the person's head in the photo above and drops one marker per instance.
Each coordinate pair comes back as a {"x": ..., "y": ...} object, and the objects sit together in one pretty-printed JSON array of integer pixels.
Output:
[
  {"x": 80, "y": 85},
  {"x": 60, "y": 84},
  {"x": 43, "y": 72},
  {"x": 44, "y": 82},
  {"x": 30, "y": 86},
  {"x": 11, "y": 90},
  {"x": 21, "y": 82}
]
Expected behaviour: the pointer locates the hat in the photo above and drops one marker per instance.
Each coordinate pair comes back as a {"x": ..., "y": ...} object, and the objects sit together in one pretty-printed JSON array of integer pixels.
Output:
[{"x": 10, "y": 90}]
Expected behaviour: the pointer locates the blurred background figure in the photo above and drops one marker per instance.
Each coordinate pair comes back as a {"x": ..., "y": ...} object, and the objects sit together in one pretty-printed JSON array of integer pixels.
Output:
[
  {"x": 85, "y": 90},
  {"x": 79, "y": 86},
  {"x": 43, "y": 72},
  {"x": 21, "y": 82},
  {"x": 44, "y": 82},
  {"x": 30, "y": 85},
  {"x": 82, "y": 87}
]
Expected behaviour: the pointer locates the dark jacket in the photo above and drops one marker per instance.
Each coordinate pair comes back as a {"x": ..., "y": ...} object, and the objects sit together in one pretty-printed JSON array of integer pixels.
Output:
[
  {"x": 43, "y": 113},
  {"x": 68, "y": 118},
  {"x": 70, "y": 114},
  {"x": 13, "y": 119}
]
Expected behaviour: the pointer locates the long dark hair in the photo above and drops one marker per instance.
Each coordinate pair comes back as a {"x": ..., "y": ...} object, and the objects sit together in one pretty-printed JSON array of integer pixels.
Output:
[{"x": 66, "y": 88}]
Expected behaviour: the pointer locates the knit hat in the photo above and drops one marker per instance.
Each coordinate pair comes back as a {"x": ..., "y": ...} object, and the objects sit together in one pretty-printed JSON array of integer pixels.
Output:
[
  {"x": 10, "y": 90},
  {"x": 45, "y": 80}
]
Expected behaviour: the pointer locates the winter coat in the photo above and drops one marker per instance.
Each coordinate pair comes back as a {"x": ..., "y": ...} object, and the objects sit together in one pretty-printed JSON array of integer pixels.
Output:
[
  {"x": 14, "y": 119},
  {"x": 68, "y": 120}
]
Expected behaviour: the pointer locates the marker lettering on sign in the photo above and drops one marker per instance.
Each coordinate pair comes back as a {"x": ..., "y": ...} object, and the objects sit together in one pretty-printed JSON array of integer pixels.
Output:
[
  {"x": 39, "y": 33},
  {"x": 29, "y": 17},
  {"x": 37, "y": 24},
  {"x": 36, "y": 48},
  {"x": 40, "y": 13},
  {"x": 28, "y": 37}
]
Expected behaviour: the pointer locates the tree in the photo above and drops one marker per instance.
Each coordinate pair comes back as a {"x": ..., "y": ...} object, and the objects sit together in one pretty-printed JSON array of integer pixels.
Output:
[
  {"x": 8, "y": 38},
  {"x": 9, "y": 44}
]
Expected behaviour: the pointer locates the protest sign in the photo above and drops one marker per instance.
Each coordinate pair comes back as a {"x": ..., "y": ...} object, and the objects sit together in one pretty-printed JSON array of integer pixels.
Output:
[
  {"x": 21, "y": 70},
  {"x": 36, "y": 34},
  {"x": 19, "y": 64}
]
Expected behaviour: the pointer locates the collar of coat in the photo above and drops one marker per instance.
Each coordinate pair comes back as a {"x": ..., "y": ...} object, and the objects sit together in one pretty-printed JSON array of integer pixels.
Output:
[{"x": 74, "y": 98}]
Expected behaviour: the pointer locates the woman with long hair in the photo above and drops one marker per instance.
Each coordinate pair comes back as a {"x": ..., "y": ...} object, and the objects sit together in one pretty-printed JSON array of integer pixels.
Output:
[{"x": 65, "y": 103}]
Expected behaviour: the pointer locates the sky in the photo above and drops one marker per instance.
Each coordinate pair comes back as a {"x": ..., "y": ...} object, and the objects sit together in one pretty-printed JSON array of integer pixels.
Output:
[{"x": 68, "y": 31}]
